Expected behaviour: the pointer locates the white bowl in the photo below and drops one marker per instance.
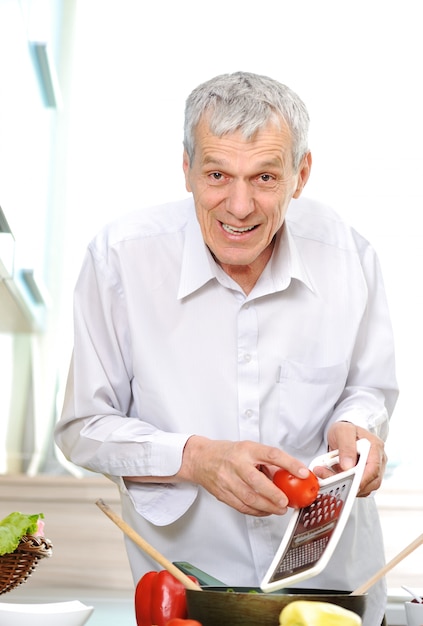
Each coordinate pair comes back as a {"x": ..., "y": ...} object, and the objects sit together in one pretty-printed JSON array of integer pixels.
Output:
[{"x": 72, "y": 613}]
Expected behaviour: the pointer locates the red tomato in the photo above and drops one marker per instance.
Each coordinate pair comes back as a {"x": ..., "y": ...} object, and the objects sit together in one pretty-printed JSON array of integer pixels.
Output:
[{"x": 299, "y": 491}]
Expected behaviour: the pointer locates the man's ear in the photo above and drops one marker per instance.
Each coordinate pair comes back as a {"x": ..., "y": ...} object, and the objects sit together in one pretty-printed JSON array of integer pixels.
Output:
[{"x": 303, "y": 174}]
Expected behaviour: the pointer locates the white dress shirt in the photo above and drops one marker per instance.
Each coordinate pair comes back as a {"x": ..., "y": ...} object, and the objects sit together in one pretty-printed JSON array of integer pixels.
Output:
[{"x": 167, "y": 345}]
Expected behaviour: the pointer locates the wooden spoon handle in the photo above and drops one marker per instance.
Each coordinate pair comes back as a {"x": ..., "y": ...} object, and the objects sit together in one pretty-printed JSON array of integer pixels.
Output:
[
  {"x": 379, "y": 574},
  {"x": 147, "y": 548}
]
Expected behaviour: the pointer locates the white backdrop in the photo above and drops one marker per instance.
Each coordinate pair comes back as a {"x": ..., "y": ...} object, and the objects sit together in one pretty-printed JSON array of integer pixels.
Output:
[{"x": 357, "y": 65}]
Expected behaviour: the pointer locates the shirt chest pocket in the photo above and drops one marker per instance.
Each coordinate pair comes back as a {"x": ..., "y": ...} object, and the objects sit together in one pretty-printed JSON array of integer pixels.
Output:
[{"x": 307, "y": 396}]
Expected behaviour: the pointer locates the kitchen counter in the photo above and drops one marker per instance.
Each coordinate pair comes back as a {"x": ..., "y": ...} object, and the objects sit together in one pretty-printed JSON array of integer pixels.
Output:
[
  {"x": 116, "y": 607},
  {"x": 110, "y": 608}
]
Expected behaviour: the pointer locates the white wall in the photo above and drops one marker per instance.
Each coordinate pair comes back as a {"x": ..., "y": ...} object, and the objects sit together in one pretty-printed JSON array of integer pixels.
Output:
[{"x": 357, "y": 65}]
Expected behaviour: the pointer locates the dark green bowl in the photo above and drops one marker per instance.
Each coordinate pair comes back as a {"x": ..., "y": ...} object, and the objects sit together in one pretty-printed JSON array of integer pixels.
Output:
[{"x": 237, "y": 606}]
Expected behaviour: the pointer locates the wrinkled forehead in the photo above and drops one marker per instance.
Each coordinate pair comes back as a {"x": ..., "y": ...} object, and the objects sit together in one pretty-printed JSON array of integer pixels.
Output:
[
  {"x": 271, "y": 145},
  {"x": 274, "y": 132},
  {"x": 222, "y": 121}
]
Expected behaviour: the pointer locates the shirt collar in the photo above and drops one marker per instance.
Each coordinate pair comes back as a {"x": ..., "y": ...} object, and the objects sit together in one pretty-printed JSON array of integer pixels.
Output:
[
  {"x": 197, "y": 263},
  {"x": 199, "y": 267},
  {"x": 286, "y": 262}
]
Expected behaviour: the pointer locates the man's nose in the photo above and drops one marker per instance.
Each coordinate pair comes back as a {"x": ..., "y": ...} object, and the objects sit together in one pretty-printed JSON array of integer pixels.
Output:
[{"x": 240, "y": 199}]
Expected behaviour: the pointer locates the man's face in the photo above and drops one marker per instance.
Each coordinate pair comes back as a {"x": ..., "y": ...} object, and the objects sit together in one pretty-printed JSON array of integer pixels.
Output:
[{"x": 242, "y": 189}]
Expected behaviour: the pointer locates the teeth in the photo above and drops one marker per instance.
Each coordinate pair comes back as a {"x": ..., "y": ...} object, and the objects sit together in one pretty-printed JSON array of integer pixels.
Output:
[{"x": 232, "y": 229}]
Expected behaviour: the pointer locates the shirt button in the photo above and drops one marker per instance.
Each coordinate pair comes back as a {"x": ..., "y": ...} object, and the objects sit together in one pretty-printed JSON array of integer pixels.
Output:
[
  {"x": 248, "y": 413},
  {"x": 247, "y": 358}
]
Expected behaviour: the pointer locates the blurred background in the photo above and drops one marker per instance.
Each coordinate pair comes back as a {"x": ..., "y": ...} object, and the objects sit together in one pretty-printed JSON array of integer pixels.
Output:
[{"x": 92, "y": 95}]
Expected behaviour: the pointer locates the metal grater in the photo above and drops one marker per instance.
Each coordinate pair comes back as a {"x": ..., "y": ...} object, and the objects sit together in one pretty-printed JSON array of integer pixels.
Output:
[{"x": 314, "y": 531}]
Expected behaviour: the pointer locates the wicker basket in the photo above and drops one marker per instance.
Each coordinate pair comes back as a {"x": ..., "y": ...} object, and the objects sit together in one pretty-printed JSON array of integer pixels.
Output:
[{"x": 17, "y": 566}]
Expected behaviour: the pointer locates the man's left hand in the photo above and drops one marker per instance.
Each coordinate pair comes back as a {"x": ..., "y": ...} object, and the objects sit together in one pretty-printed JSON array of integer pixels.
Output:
[{"x": 343, "y": 436}]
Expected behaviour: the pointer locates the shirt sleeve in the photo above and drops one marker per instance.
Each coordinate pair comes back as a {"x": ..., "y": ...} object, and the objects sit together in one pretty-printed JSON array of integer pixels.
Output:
[
  {"x": 371, "y": 392},
  {"x": 99, "y": 429}
]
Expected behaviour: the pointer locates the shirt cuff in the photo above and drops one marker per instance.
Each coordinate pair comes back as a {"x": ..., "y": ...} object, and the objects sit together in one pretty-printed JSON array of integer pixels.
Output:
[
  {"x": 376, "y": 423},
  {"x": 159, "y": 503}
]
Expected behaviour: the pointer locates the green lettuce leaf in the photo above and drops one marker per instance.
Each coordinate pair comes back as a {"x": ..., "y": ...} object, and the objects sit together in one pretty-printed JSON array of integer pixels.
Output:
[{"x": 15, "y": 526}]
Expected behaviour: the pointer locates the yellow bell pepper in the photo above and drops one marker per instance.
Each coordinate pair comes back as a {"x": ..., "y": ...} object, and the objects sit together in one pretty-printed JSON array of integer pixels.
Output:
[{"x": 309, "y": 613}]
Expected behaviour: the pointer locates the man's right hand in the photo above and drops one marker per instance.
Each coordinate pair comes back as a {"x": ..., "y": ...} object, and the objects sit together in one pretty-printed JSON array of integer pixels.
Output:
[{"x": 239, "y": 473}]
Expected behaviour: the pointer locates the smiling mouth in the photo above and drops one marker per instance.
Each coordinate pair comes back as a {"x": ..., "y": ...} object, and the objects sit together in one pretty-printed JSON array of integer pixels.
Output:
[{"x": 232, "y": 230}]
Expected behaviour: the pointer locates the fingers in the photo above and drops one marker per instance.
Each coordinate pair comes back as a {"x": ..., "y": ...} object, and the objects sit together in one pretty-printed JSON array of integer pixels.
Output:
[
  {"x": 343, "y": 436},
  {"x": 233, "y": 473},
  {"x": 274, "y": 458},
  {"x": 375, "y": 466},
  {"x": 254, "y": 494},
  {"x": 242, "y": 484}
]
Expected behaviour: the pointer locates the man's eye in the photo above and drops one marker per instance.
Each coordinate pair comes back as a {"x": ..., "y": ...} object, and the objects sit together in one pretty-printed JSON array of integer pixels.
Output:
[
  {"x": 216, "y": 175},
  {"x": 266, "y": 177}
]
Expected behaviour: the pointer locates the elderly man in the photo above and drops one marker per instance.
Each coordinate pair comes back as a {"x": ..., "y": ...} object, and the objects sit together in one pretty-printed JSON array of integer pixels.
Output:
[{"x": 225, "y": 336}]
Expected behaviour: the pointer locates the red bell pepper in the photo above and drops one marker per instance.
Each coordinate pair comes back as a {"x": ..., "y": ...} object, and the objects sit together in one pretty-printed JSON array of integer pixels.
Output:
[
  {"x": 178, "y": 621},
  {"x": 159, "y": 597}
]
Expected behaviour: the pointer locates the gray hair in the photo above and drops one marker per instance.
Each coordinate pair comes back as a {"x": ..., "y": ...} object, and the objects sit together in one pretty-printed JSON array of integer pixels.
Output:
[{"x": 246, "y": 102}]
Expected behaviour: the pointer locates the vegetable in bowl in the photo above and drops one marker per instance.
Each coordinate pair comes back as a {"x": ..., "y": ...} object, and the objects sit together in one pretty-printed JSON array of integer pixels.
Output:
[{"x": 15, "y": 526}]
